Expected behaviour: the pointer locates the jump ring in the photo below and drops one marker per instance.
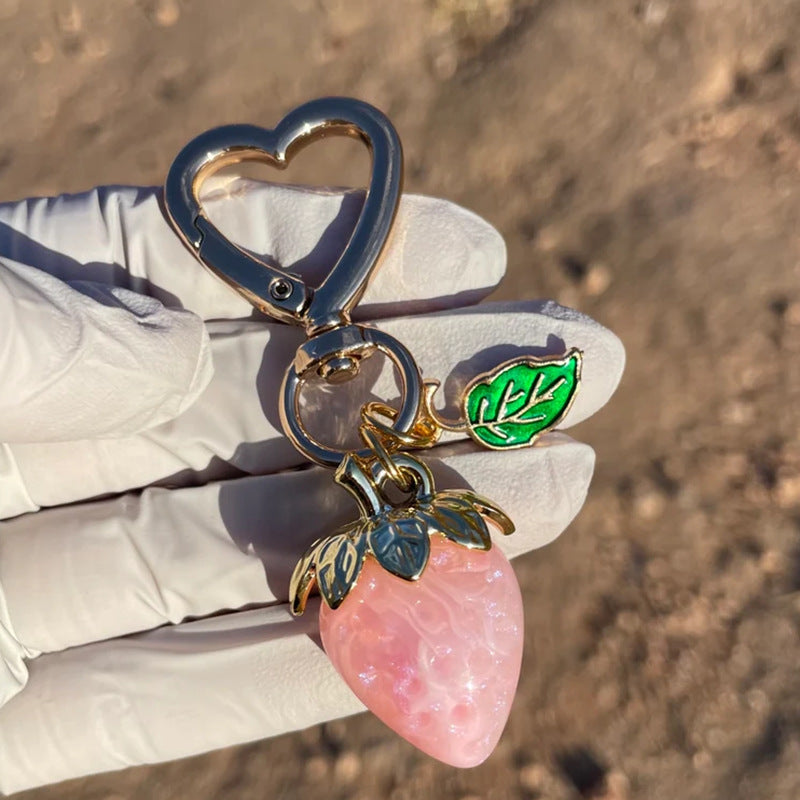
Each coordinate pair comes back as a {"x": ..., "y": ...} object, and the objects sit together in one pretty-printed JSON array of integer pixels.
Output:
[
  {"x": 374, "y": 442},
  {"x": 423, "y": 434}
]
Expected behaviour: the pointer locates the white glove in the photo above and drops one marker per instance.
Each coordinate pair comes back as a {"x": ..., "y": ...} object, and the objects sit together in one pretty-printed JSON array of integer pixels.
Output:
[{"x": 111, "y": 391}]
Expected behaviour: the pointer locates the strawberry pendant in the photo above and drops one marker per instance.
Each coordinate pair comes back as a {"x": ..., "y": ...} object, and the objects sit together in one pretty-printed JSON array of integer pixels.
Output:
[{"x": 421, "y": 616}]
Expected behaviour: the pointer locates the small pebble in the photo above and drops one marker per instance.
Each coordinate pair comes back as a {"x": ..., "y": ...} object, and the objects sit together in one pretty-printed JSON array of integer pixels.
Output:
[
  {"x": 655, "y": 12},
  {"x": 737, "y": 412},
  {"x": 445, "y": 62},
  {"x": 773, "y": 562},
  {"x": 658, "y": 568},
  {"x": 547, "y": 238},
  {"x": 166, "y": 13},
  {"x": 701, "y": 760},
  {"x": 597, "y": 279},
  {"x": 43, "y": 51},
  {"x": 316, "y": 768},
  {"x": 69, "y": 20},
  {"x": 758, "y": 701},
  {"x": 650, "y": 505},
  {"x": 97, "y": 48},
  {"x": 347, "y": 767},
  {"x": 533, "y": 777},
  {"x": 792, "y": 315},
  {"x": 618, "y": 786},
  {"x": 336, "y": 730},
  {"x": 787, "y": 489}
]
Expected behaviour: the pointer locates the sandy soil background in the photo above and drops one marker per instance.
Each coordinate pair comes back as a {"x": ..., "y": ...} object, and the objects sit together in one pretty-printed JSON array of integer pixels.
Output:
[{"x": 642, "y": 159}]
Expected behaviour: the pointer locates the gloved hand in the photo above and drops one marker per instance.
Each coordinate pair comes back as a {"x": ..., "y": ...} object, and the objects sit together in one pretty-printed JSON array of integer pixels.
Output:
[{"x": 108, "y": 390}]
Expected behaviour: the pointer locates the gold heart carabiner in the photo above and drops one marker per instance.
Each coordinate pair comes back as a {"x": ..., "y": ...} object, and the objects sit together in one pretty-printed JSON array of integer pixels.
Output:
[
  {"x": 335, "y": 347},
  {"x": 274, "y": 291}
]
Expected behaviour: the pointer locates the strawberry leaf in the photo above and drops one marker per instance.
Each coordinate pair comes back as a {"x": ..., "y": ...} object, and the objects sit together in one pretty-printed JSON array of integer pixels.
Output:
[
  {"x": 401, "y": 545},
  {"x": 458, "y": 520},
  {"x": 338, "y": 564}
]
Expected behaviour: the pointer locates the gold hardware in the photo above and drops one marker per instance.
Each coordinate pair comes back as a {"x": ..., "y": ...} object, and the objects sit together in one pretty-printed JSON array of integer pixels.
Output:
[
  {"x": 397, "y": 536},
  {"x": 335, "y": 346},
  {"x": 272, "y": 290}
]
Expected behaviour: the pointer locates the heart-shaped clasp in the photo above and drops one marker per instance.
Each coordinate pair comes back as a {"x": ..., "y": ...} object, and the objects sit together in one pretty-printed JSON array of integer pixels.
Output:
[
  {"x": 335, "y": 346},
  {"x": 275, "y": 291}
]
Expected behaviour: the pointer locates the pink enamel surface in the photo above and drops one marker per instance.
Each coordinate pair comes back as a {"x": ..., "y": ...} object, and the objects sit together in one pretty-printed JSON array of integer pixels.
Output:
[{"x": 437, "y": 659}]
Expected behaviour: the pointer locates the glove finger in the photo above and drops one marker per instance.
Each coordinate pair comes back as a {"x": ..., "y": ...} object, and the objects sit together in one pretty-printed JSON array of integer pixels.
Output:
[
  {"x": 439, "y": 255},
  {"x": 85, "y": 360},
  {"x": 100, "y": 570},
  {"x": 168, "y": 693},
  {"x": 233, "y": 428}
]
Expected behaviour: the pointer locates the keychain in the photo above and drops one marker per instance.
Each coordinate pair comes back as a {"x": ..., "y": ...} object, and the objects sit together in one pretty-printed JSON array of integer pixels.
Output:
[{"x": 420, "y": 614}]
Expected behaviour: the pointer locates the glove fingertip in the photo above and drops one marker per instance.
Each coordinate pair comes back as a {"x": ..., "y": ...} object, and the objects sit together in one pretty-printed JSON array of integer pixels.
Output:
[
  {"x": 176, "y": 361},
  {"x": 85, "y": 360},
  {"x": 204, "y": 369}
]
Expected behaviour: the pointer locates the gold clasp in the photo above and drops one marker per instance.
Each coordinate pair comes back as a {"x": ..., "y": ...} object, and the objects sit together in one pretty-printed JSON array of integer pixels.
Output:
[
  {"x": 274, "y": 291},
  {"x": 335, "y": 345}
]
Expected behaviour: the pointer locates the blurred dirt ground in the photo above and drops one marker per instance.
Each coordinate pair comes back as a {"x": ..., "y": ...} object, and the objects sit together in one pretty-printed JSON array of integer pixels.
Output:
[{"x": 642, "y": 160}]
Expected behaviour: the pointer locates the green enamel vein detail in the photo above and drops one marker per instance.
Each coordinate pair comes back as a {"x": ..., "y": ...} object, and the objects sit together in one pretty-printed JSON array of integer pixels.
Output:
[{"x": 521, "y": 399}]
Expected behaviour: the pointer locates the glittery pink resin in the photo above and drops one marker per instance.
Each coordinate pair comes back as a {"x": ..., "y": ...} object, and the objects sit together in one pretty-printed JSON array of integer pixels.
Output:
[{"x": 437, "y": 659}]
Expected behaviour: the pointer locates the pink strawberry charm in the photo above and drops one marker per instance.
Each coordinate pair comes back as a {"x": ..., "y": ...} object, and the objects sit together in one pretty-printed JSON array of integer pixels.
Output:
[{"x": 421, "y": 616}]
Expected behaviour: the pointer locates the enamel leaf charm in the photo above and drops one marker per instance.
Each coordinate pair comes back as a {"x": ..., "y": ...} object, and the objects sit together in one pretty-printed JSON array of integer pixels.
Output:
[{"x": 521, "y": 399}]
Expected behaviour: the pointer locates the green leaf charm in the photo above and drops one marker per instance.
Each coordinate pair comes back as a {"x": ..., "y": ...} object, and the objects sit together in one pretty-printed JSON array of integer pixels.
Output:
[{"x": 521, "y": 399}]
